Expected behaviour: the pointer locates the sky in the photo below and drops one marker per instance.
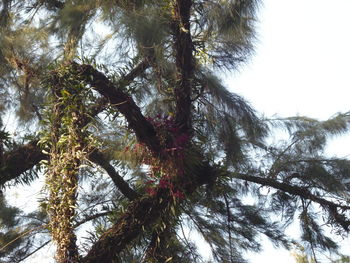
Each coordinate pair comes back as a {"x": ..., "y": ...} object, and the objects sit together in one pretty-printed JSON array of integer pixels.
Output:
[
  {"x": 302, "y": 59},
  {"x": 301, "y": 67}
]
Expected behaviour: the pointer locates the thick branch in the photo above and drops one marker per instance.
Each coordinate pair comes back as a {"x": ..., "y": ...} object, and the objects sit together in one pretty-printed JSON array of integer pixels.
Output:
[
  {"x": 183, "y": 47},
  {"x": 158, "y": 249},
  {"x": 98, "y": 158},
  {"x": 25, "y": 157},
  {"x": 18, "y": 161},
  {"x": 141, "y": 215},
  {"x": 143, "y": 129}
]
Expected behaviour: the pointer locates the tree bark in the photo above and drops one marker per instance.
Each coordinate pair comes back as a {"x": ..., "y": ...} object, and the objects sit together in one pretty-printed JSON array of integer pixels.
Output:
[
  {"x": 141, "y": 214},
  {"x": 98, "y": 158},
  {"x": 183, "y": 48},
  {"x": 143, "y": 129},
  {"x": 20, "y": 160},
  {"x": 25, "y": 157}
]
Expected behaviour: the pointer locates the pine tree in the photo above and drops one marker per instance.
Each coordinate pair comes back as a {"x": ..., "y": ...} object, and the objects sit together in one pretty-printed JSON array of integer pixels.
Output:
[{"x": 120, "y": 109}]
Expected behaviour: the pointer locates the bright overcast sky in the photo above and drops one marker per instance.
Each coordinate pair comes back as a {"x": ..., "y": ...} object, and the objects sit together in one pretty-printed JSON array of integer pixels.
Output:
[
  {"x": 302, "y": 59},
  {"x": 301, "y": 67}
]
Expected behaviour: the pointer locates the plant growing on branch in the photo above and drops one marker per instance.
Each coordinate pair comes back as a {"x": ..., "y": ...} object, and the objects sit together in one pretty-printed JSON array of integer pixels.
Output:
[{"x": 139, "y": 142}]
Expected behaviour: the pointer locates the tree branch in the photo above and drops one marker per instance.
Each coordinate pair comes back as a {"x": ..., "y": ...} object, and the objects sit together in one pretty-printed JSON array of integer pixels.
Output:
[
  {"x": 98, "y": 158},
  {"x": 183, "y": 47},
  {"x": 141, "y": 214},
  {"x": 143, "y": 129},
  {"x": 34, "y": 251},
  {"x": 135, "y": 72},
  {"x": 25, "y": 157},
  {"x": 303, "y": 193},
  {"x": 18, "y": 161},
  {"x": 92, "y": 217}
]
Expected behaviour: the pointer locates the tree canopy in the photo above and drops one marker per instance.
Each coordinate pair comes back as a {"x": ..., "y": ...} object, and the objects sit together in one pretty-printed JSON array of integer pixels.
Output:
[{"x": 121, "y": 111}]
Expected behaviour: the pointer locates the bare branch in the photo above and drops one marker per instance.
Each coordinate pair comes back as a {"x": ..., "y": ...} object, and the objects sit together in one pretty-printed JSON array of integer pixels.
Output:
[
  {"x": 92, "y": 217},
  {"x": 143, "y": 129},
  {"x": 98, "y": 158},
  {"x": 183, "y": 47},
  {"x": 18, "y": 161},
  {"x": 303, "y": 193}
]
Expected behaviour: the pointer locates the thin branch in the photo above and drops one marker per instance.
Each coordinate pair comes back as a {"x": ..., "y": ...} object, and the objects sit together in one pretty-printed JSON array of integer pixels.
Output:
[
  {"x": 200, "y": 230},
  {"x": 291, "y": 189},
  {"x": 309, "y": 235},
  {"x": 22, "y": 235},
  {"x": 273, "y": 170},
  {"x": 98, "y": 158},
  {"x": 303, "y": 193},
  {"x": 34, "y": 251},
  {"x": 91, "y": 217},
  {"x": 229, "y": 219}
]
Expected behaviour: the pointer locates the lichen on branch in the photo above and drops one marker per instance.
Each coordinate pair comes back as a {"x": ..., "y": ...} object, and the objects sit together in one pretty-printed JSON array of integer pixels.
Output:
[{"x": 67, "y": 147}]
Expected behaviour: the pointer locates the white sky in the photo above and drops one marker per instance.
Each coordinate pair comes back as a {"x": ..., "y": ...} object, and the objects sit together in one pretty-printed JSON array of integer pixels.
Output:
[
  {"x": 301, "y": 67},
  {"x": 302, "y": 59}
]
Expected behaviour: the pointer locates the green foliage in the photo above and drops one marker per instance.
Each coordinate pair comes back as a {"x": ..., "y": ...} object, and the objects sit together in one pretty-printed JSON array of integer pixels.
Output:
[
  {"x": 224, "y": 30},
  {"x": 224, "y": 178}
]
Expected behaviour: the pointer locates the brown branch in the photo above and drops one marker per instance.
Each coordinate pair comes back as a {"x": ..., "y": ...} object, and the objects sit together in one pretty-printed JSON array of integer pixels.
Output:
[
  {"x": 303, "y": 193},
  {"x": 183, "y": 47},
  {"x": 141, "y": 214},
  {"x": 34, "y": 251},
  {"x": 92, "y": 217},
  {"x": 135, "y": 72},
  {"x": 19, "y": 160},
  {"x": 143, "y": 129},
  {"x": 25, "y": 157},
  {"x": 98, "y": 158}
]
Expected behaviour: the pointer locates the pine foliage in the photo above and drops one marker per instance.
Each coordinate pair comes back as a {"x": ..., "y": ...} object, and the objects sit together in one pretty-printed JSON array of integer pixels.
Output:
[{"x": 121, "y": 112}]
